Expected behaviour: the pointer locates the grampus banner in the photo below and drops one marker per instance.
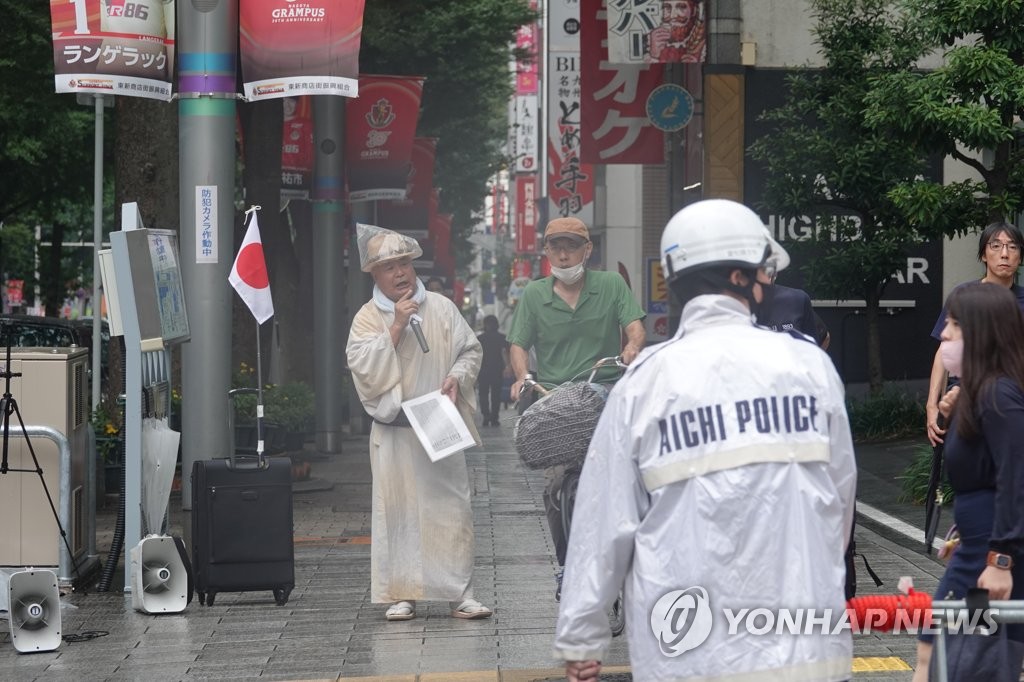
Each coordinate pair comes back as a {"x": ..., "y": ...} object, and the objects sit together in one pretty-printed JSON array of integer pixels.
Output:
[
  {"x": 380, "y": 128},
  {"x": 614, "y": 125},
  {"x": 300, "y": 47},
  {"x": 297, "y": 148},
  {"x": 113, "y": 47},
  {"x": 411, "y": 214}
]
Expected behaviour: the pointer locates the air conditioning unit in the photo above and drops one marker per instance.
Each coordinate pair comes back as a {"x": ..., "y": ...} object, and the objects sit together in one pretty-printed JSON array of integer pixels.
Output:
[{"x": 53, "y": 390}]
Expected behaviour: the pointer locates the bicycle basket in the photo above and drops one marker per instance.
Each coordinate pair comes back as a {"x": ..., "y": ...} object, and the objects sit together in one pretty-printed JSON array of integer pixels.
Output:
[{"x": 558, "y": 427}]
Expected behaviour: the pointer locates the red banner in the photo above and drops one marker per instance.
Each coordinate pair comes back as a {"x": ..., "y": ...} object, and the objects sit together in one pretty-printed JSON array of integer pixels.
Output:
[
  {"x": 114, "y": 47},
  {"x": 526, "y": 213},
  {"x": 527, "y": 39},
  {"x": 614, "y": 124},
  {"x": 379, "y": 130},
  {"x": 297, "y": 148},
  {"x": 412, "y": 213},
  {"x": 292, "y": 48}
]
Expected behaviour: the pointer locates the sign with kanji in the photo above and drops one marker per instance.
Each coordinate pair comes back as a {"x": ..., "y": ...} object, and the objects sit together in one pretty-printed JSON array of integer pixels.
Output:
[
  {"x": 653, "y": 31},
  {"x": 570, "y": 181},
  {"x": 615, "y": 126},
  {"x": 526, "y": 133}
]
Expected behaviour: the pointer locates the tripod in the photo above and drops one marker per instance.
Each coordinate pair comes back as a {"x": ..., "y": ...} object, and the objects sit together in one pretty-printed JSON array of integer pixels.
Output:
[{"x": 8, "y": 407}]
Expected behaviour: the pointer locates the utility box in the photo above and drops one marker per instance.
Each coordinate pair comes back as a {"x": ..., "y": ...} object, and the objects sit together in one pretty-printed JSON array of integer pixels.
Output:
[{"x": 53, "y": 390}]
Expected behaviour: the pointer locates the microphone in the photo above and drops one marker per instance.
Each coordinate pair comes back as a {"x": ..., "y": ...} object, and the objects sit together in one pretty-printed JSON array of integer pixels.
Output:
[{"x": 415, "y": 322}]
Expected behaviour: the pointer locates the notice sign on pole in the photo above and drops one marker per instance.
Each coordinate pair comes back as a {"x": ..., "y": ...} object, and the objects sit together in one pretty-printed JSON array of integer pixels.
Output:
[{"x": 206, "y": 224}]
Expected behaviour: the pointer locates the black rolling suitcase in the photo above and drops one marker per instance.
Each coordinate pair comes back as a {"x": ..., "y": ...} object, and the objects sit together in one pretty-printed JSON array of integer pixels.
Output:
[{"x": 242, "y": 527}]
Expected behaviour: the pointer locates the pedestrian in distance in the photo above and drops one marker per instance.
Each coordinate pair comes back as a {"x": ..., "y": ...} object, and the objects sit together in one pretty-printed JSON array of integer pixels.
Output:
[
  {"x": 571, "y": 319},
  {"x": 1000, "y": 246},
  {"x": 984, "y": 458},
  {"x": 721, "y": 476},
  {"x": 493, "y": 370},
  {"x": 422, "y": 527}
]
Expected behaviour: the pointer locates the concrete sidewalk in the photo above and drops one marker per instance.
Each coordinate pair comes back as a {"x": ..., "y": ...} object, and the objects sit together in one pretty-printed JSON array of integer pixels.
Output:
[{"x": 329, "y": 630}]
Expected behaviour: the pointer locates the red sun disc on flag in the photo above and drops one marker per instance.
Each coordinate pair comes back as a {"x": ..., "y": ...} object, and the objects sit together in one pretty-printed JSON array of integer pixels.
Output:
[{"x": 252, "y": 268}]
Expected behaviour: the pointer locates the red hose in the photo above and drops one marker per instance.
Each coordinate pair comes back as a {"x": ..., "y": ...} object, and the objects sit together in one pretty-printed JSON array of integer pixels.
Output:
[{"x": 883, "y": 612}]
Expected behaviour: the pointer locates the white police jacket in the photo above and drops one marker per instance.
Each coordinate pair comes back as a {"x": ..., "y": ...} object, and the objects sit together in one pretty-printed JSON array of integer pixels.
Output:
[{"x": 720, "y": 478}]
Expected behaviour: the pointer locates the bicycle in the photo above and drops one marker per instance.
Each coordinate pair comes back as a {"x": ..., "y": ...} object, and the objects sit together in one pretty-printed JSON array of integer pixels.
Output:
[{"x": 566, "y": 496}]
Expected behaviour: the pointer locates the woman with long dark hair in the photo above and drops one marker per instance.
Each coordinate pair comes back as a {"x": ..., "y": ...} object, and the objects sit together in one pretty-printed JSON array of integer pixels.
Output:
[{"x": 984, "y": 459}]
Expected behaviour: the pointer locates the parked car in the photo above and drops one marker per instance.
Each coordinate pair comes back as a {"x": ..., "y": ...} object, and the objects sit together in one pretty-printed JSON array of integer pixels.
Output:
[{"x": 54, "y": 332}]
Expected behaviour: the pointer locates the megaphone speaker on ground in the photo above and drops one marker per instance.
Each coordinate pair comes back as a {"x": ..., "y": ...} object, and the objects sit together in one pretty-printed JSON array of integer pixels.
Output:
[
  {"x": 32, "y": 602},
  {"x": 161, "y": 575}
]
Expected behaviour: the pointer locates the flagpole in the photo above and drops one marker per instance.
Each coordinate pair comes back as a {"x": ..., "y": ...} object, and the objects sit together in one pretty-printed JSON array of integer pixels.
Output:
[
  {"x": 251, "y": 212},
  {"x": 259, "y": 397}
]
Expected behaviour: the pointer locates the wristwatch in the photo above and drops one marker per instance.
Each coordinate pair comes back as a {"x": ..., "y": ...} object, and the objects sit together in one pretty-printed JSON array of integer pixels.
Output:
[{"x": 1003, "y": 561}]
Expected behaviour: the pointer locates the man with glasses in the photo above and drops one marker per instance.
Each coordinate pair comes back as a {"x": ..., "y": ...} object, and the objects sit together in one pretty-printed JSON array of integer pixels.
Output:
[
  {"x": 571, "y": 319},
  {"x": 999, "y": 248}
]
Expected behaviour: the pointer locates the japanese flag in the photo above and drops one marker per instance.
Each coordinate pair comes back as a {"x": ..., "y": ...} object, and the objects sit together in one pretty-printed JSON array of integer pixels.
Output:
[{"x": 249, "y": 275}]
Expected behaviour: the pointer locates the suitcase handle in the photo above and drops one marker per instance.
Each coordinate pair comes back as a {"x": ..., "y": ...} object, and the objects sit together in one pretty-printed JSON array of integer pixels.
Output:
[{"x": 234, "y": 460}]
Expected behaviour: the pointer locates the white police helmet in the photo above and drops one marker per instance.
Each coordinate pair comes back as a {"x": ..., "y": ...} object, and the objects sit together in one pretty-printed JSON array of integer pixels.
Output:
[{"x": 717, "y": 232}]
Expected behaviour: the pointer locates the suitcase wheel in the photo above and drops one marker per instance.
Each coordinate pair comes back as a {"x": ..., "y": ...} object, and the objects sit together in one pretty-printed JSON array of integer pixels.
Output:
[{"x": 281, "y": 595}]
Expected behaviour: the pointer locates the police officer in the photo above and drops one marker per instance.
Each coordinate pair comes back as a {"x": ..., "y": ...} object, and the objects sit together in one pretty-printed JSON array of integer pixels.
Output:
[{"x": 721, "y": 476}]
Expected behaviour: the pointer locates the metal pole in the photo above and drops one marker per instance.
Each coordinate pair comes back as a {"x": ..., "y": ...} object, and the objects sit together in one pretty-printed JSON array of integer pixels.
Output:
[
  {"x": 207, "y": 49},
  {"x": 97, "y": 244},
  {"x": 328, "y": 274}
]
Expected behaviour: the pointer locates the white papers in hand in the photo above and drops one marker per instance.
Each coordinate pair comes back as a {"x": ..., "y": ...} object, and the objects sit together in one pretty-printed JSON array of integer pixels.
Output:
[{"x": 438, "y": 425}]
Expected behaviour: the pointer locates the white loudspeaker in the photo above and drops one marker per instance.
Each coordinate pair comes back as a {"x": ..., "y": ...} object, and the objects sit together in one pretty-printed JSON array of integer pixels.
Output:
[
  {"x": 32, "y": 602},
  {"x": 161, "y": 581}
]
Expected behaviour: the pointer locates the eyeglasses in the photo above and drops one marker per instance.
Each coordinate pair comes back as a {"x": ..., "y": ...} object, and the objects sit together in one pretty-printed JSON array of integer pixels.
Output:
[
  {"x": 770, "y": 270},
  {"x": 563, "y": 247},
  {"x": 996, "y": 247}
]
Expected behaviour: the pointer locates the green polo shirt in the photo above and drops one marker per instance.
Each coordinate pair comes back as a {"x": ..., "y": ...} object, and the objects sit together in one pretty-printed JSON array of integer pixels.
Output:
[{"x": 566, "y": 341}]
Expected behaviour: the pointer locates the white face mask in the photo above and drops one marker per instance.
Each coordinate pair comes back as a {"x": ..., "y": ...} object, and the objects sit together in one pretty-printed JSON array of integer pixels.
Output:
[
  {"x": 952, "y": 353},
  {"x": 568, "y": 275}
]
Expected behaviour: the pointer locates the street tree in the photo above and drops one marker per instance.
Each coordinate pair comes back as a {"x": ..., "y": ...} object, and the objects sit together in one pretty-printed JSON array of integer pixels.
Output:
[
  {"x": 969, "y": 108},
  {"x": 46, "y": 144},
  {"x": 824, "y": 166}
]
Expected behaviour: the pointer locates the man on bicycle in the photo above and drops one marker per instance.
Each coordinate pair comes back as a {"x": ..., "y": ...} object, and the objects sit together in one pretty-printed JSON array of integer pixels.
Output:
[
  {"x": 720, "y": 477},
  {"x": 571, "y": 319}
]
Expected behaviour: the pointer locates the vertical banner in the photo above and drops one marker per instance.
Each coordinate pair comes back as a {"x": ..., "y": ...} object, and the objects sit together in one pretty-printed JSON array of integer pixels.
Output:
[
  {"x": 652, "y": 31},
  {"x": 297, "y": 148},
  {"x": 526, "y": 213},
  {"x": 527, "y": 132},
  {"x": 412, "y": 214},
  {"x": 379, "y": 130},
  {"x": 113, "y": 47},
  {"x": 615, "y": 126},
  {"x": 570, "y": 181},
  {"x": 292, "y": 48},
  {"x": 526, "y": 64}
]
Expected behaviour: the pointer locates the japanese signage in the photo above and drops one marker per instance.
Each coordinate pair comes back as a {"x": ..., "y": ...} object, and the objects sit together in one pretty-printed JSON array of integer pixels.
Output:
[
  {"x": 300, "y": 47},
  {"x": 649, "y": 31},
  {"x": 570, "y": 181},
  {"x": 563, "y": 25},
  {"x": 297, "y": 148},
  {"x": 615, "y": 127},
  {"x": 206, "y": 224},
  {"x": 526, "y": 133},
  {"x": 526, "y": 64},
  {"x": 379, "y": 130},
  {"x": 114, "y": 47},
  {"x": 526, "y": 213}
]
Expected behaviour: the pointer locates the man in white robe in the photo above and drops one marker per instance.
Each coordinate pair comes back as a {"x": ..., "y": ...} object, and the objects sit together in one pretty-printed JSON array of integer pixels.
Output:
[{"x": 422, "y": 528}]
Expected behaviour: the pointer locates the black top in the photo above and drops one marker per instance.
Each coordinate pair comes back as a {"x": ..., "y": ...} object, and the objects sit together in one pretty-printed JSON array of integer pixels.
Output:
[
  {"x": 994, "y": 460},
  {"x": 787, "y": 309},
  {"x": 493, "y": 365}
]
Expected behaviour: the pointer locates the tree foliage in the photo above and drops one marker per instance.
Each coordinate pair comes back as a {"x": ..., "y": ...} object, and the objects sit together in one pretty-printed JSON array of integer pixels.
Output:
[
  {"x": 969, "y": 108},
  {"x": 825, "y": 165},
  {"x": 462, "y": 47}
]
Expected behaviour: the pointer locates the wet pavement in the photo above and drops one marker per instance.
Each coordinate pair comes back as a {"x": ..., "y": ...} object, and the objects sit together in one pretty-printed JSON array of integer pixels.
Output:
[{"x": 329, "y": 630}]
